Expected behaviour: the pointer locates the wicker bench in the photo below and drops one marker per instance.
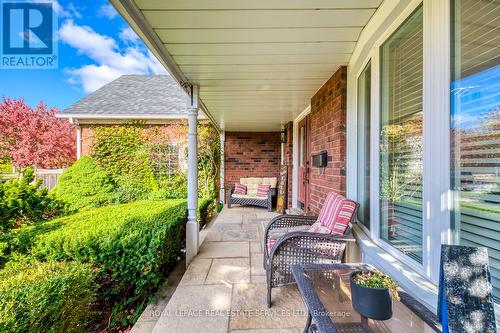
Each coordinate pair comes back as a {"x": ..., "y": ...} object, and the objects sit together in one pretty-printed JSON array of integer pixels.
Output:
[{"x": 251, "y": 198}]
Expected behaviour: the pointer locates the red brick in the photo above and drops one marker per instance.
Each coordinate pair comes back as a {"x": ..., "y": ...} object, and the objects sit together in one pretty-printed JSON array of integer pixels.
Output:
[
  {"x": 328, "y": 120},
  {"x": 251, "y": 154}
]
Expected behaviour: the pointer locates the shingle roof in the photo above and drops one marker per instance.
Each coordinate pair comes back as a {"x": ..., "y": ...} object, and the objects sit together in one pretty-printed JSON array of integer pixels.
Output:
[{"x": 132, "y": 96}]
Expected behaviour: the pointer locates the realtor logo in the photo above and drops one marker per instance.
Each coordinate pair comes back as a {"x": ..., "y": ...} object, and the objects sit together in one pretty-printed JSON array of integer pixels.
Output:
[{"x": 28, "y": 38}]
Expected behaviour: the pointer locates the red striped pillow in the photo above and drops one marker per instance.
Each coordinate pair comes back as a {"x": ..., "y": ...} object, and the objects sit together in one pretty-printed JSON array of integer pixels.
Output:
[
  {"x": 240, "y": 189},
  {"x": 344, "y": 217},
  {"x": 336, "y": 213},
  {"x": 262, "y": 190}
]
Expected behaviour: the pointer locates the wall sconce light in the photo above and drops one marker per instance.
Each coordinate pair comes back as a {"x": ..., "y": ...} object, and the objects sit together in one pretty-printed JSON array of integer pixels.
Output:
[{"x": 283, "y": 135}]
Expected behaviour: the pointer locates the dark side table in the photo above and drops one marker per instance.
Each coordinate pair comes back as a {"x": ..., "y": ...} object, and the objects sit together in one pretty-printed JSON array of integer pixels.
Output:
[{"x": 326, "y": 292}]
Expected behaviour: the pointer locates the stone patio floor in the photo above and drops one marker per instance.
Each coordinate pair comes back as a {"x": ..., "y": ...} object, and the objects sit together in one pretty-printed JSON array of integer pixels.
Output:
[{"x": 223, "y": 290}]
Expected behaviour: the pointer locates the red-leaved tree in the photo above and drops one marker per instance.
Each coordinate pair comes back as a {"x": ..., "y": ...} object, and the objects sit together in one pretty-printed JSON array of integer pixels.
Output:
[{"x": 34, "y": 136}]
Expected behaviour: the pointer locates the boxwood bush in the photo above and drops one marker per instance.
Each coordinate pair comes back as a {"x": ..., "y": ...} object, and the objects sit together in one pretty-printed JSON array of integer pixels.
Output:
[
  {"x": 132, "y": 245},
  {"x": 205, "y": 208},
  {"x": 84, "y": 185},
  {"x": 22, "y": 202},
  {"x": 47, "y": 297}
]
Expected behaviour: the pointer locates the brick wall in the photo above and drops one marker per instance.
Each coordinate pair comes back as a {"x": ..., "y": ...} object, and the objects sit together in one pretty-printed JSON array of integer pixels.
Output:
[
  {"x": 87, "y": 139},
  {"x": 328, "y": 132},
  {"x": 251, "y": 154}
]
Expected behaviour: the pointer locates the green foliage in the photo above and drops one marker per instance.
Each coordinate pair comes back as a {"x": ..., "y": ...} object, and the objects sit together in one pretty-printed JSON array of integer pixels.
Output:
[
  {"x": 5, "y": 166},
  {"x": 174, "y": 187},
  {"x": 84, "y": 185},
  {"x": 121, "y": 151},
  {"x": 125, "y": 152},
  {"x": 21, "y": 202},
  {"x": 205, "y": 209},
  {"x": 133, "y": 245},
  {"x": 209, "y": 152},
  {"x": 377, "y": 280},
  {"x": 46, "y": 297}
]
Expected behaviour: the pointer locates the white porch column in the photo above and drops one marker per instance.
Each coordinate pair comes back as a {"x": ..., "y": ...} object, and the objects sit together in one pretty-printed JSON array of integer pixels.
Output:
[
  {"x": 192, "y": 229},
  {"x": 222, "y": 192},
  {"x": 78, "y": 142}
]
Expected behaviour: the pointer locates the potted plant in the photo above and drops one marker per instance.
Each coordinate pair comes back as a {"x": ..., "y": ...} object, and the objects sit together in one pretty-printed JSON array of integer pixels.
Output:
[{"x": 372, "y": 293}]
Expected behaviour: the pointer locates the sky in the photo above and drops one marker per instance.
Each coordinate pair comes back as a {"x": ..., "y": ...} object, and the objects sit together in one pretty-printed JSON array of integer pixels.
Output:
[{"x": 95, "y": 46}]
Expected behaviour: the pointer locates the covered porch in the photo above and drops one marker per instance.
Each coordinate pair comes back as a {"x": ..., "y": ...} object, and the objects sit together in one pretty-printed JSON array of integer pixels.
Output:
[
  {"x": 224, "y": 287},
  {"x": 385, "y": 91}
]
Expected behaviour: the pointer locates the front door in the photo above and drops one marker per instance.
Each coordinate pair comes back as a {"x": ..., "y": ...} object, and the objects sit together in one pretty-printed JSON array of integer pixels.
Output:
[{"x": 304, "y": 163}]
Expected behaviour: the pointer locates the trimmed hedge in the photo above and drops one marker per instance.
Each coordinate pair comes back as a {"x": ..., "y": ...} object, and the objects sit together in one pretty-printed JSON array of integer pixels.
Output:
[
  {"x": 205, "y": 208},
  {"x": 84, "y": 185},
  {"x": 46, "y": 297},
  {"x": 133, "y": 245}
]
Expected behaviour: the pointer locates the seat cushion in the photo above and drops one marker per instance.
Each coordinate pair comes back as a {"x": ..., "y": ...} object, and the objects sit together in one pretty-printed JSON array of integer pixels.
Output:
[
  {"x": 252, "y": 183},
  {"x": 263, "y": 190},
  {"x": 247, "y": 196},
  {"x": 336, "y": 213},
  {"x": 275, "y": 234}
]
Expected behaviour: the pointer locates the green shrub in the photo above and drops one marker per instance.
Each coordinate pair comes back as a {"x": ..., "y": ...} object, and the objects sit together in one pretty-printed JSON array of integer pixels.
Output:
[
  {"x": 174, "y": 187},
  {"x": 46, "y": 297},
  {"x": 84, "y": 185},
  {"x": 133, "y": 244},
  {"x": 21, "y": 202},
  {"x": 205, "y": 209},
  {"x": 219, "y": 207},
  {"x": 5, "y": 166}
]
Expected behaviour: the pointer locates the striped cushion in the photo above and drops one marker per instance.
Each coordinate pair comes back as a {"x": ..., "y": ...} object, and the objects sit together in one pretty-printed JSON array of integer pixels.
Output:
[
  {"x": 262, "y": 190},
  {"x": 335, "y": 214},
  {"x": 240, "y": 189}
]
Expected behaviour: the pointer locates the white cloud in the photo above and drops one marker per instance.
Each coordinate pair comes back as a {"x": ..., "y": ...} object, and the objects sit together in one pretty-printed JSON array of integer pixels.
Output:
[
  {"x": 107, "y": 10},
  {"x": 68, "y": 12},
  {"x": 109, "y": 61},
  {"x": 92, "y": 77},
  {"x": 128, "y": 35}
]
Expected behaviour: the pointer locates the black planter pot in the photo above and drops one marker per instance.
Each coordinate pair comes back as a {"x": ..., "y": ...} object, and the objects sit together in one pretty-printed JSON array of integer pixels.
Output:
[{"x": 373, "y": 303}]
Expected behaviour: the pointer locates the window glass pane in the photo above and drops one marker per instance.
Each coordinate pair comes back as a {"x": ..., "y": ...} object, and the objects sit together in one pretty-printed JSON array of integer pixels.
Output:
[
  {"x": 475, "y": 128},
  {"x": 401, "y": 140},
  {"x": 364, "y": 146}
]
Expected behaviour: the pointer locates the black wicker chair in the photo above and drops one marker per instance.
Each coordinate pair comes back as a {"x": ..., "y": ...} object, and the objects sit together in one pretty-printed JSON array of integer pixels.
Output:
[
  {"x": 266, "y": 202},
  {"x": 300, "y": 247}
]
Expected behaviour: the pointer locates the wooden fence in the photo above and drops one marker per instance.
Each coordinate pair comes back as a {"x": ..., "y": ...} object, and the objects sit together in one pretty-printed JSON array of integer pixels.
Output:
[{"x": 49, "y": 177}]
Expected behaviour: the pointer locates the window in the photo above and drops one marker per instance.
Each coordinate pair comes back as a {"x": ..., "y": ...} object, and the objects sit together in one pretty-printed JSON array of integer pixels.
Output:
[
  {"x": 166, "y": 158},
  {"x": 401, "y": 137},
  {"x": 364, "y": 86},
  {"x": 475, "y": 128}
]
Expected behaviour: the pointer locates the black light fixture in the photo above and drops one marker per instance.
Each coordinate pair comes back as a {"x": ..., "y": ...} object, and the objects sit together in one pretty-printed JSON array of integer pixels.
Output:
[{"x": 283, "y": 135}]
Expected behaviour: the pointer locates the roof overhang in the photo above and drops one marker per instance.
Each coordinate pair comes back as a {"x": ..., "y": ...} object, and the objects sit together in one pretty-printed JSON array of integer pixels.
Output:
[
  {"x": 257, "y": 63},
  {"x": 85, "y": 118}
]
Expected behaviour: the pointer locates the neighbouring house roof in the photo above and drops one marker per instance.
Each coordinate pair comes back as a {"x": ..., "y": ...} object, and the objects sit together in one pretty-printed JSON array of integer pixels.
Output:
[{"x": 132, "y": 97}]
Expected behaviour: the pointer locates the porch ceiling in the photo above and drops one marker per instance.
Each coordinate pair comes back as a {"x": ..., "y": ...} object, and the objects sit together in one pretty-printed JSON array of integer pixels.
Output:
[{"x": 257, "y": 62}]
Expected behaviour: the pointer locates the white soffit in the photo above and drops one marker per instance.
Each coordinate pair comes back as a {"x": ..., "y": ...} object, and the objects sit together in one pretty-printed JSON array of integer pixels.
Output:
[{"x": 258, "y": 62}]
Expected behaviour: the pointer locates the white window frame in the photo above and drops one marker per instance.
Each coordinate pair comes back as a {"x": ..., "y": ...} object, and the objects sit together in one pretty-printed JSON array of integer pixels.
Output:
[
  {"x": 437, "y": 200},
  {"x": 355, "y": 138}
]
